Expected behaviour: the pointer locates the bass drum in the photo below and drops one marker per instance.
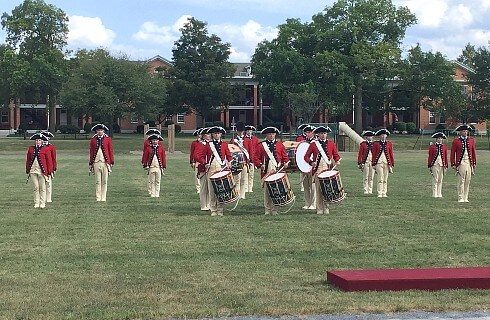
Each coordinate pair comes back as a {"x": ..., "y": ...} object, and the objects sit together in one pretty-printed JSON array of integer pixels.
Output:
[
  {"x": 331, "y": 186},
  {"x": 224, "y": 187},
  {"x": 301, "y": 149},
  {"x": 279, "y": 189}
]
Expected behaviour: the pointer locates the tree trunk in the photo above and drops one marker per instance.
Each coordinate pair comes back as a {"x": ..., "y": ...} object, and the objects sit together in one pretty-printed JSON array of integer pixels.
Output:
[
  {"x": 358, "y": 109},
  {"x": 52, "y": 114}
]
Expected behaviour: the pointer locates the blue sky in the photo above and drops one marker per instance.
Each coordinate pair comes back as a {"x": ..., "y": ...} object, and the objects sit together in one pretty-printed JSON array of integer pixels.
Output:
[{"x": 145, "y": 28}]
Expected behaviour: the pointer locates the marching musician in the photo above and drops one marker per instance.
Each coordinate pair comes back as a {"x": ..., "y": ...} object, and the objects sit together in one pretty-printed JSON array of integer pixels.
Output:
[
  {"x": 52, "y": 153},
  {"x": 364, "y": 161},
  {"x": 101, "y": 159},
  {"x": 307, "y": 181},
  {"x": 302, "y": 136},
  {"x": 463, "y": 160},
  {"x": 216, "y": 156},
  {"x": 270, "y": 155},
  {"x": 147, "y": 142},
  {"x": 192, "y": 157},
  {"x": 38, "y": 168},
  {"x": 154, "y": 161},
  {"x": 383, "y": 161},
  {"x": 250, "y": 142},
  {"x": 437, "y": 163},
  {"x": 241, "y": 178},
  {"x": 202, "y": 174},
  {"x": 325, "y": 157}
]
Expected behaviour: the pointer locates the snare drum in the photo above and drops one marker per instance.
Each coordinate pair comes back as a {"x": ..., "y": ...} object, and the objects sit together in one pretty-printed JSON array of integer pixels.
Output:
[
  {"x": 237, "y": 162},
  {"x": 331, "y": 186},
  {"x": 279, "y": 189},
  {"x": 224, "y": 187},
  {"x": 291, "y": 151}
]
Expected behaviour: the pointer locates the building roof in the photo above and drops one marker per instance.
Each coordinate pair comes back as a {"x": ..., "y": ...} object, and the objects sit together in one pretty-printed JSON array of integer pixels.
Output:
[
  {"x": 463, "y": 66},
  {"x": 162, "y": 59},
  {"x": 242, "y": 70}
]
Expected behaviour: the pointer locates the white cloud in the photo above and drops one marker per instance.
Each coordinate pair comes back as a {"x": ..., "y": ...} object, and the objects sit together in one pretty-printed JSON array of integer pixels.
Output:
[
  {"x": 460, "y": 16},
  {"x": 238, "y": 56},
  {"x": 87, "y": 31},
  {"x": 430, "y": 13},
  {"x": 485, "y": 4},
  {"x": 165, "y": 35}
]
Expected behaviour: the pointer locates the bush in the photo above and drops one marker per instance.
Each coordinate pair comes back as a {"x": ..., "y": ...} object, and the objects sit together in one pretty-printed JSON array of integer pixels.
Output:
[
  {"x": 140, "y": 128},
  {"x": 440, "y": 127},
  {"x": 389, "y": 128},
  {"x": 219, "y": 124},
  {"x": 400, "y": 126},
  {"x": 69, "y": 128},
  {"x": 151, "y": 123},
  {"x": 411, "y": 128},
  {"x": 87, "y": 127}
]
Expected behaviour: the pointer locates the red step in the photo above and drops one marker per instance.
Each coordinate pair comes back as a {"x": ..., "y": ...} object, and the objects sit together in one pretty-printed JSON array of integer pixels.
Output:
[{"x": 411, "y": 279}]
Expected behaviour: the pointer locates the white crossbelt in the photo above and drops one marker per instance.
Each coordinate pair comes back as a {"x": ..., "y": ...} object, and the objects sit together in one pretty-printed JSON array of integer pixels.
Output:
[
  {"x": 269, "y": 154},
  {"x": 215, "y": 154},
  {"x": 242, "y": 148},
  {"x": 322, "y": 152}
]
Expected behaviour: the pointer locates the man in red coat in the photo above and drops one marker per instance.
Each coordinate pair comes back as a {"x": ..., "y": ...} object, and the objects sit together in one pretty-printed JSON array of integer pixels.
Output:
[
  {"x": 383, "y": 161},
  {"x": 241, "y": 176},
  {"x": 154, "y": 161},
  {"x": 306, "y": 178},
  {"x": 52, "y": 153},
  {"x": 269, "y": 156},
  {"x": 321, "y": 155},
  {"x": 192, "y": 157},
  {"x": 463, "y": 160},
  {"x": 39, "y": 168},
  {"x": 215, "y": 156},
  {"x": 364, "y": 161},
  {"x": 437, "y": 163},
  {"x": 101, "y": 159},
  {"x": 201, "y": 173},
  {"x": 250, "y": 142}
]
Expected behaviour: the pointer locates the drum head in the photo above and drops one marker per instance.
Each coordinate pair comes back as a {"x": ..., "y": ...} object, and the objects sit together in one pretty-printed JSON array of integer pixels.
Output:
[
  {"x": 300, "y": 157},
  {"x": 275, "y": 176},
  {"x": 220, "y": 174},
  {"x": 327, "y": 174}
]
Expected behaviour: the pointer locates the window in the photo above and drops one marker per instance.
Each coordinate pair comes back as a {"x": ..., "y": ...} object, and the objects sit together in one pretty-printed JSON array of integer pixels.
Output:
[
  {"x": 180, "y": 118},
  {"x": 134, "y": 118},
  {"x": 442, "y": 118},
  {"x": 432, "y": 118},
  {"x": 5, "y": 116},
  {"x": 169, "y": 118}
]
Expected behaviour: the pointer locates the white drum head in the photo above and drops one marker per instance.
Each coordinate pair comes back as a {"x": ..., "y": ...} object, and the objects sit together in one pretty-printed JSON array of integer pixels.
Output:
[
  {"x": 300, "y": 155},
  {"x": 327, "y": 174},
  {"x": 275, "y": 176},
  {"x": 220, "y": 174}
]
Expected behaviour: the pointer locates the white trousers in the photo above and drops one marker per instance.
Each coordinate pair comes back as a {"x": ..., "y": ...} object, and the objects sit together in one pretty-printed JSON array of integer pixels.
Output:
[
  {"x": 39, "y": 182},
  {"x": 101, "y": 176},
  {"x": 437, "y": 176},
  {"x": 464, "y": 178},
  {"x": 382, "y": 170},
  {"x": 154, "y": 178},
  {"x": 368, "y": 177},
  {"x": 308, "y": 188}
]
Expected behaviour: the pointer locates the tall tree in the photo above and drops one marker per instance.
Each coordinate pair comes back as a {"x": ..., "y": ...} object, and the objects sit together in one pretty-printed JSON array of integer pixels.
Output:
[
  {"x": 201, "y": 70},
  {"x": 38, "y": 31},
  {"x": 467, "y": 57},
  {"x": 363, "y": 39}
]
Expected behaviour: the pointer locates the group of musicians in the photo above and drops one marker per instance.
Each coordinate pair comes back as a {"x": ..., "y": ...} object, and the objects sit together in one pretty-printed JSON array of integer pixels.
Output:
[{"x": 209, "y": 154}]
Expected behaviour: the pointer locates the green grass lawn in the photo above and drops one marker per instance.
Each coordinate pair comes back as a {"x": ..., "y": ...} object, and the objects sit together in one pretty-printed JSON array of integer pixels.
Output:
[{"x": 140, "y": 257}]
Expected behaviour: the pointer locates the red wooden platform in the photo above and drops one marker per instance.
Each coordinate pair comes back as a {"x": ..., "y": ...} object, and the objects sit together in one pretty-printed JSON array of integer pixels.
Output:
[{"x": 411, "y": 279}]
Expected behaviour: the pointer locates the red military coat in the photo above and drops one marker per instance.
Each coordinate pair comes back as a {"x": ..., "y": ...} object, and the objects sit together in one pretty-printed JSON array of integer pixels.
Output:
[
  {"x": 192, "y": 152},
  {"x": 364, "y": 148},
  {"x": 300, "y": 138},
  {"x": 376, "y": 152},
  {"x": 147, "y": 143},
  {"x": 457, "y": 151},
  {"x": 204, "y": 155},
  {"x": 434, "y": 152},
  {"x": 107, "y": 150},
  {"x": 43, "y": 157},
  {"x": 148, "y": 156},
  {"x": 261, "y": 158},
  {"x": 52, "y": 154},
  {"x": 200, "y": 146},
  {"x": 250, "y": 143},
  {"x": 330, "y": 150}
]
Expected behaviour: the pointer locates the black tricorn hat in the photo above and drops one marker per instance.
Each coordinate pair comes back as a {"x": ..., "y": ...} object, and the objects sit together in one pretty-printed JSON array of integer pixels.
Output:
[
  {"x": 152, "y": 131},
  {"x": 197, "y": 132},
  {"x": 302, "y": 126},
  {"x": 270, "y": 130},
  {"x": 308, "y": 128},
  {"x": 204, "y": 131},
  {"x": 36, "y": 136},
  {"x": 99, "y": 126},
  {"x": 217, "y": 129},
  {"x": 463, "y": 127},
  {"x": 368, "y": 133},
  {"x": 321, "y": 129},
  {"x": 250, "y": 127},
  {"x": 382, "y": 131},
  {"x": 439, "y": 135},
  {"x": 155, "y": 137}
]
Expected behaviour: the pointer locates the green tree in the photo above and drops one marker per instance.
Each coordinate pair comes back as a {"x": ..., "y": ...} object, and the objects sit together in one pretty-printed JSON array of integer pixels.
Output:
[
  {"x": 38, "y": 32},
  {"x": 201, "y": 72},
  {"x": 360, "y": 43},
  {"x": 467, "y": 57}
]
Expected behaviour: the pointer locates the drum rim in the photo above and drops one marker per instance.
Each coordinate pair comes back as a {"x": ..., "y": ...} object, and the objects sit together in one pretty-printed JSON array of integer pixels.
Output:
[
  {"x": 333, "y": 174},
  {"x": 283, "y": 174},
  {"x": 223, "y": 173}
]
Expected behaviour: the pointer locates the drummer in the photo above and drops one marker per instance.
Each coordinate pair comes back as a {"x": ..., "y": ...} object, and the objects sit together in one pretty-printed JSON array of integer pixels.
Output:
[
  {"x": 325, "y": 157},
  {"x": 201, "y": 174},
  {"x": 192, "y": 155},
  {"x": 307, "y": 182},
  {"x": 250, "y": 142},
  {"x": 241, "y": 178},
  {"x": 270, "y": 155},
  {"x": 216, "y": 157}
]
